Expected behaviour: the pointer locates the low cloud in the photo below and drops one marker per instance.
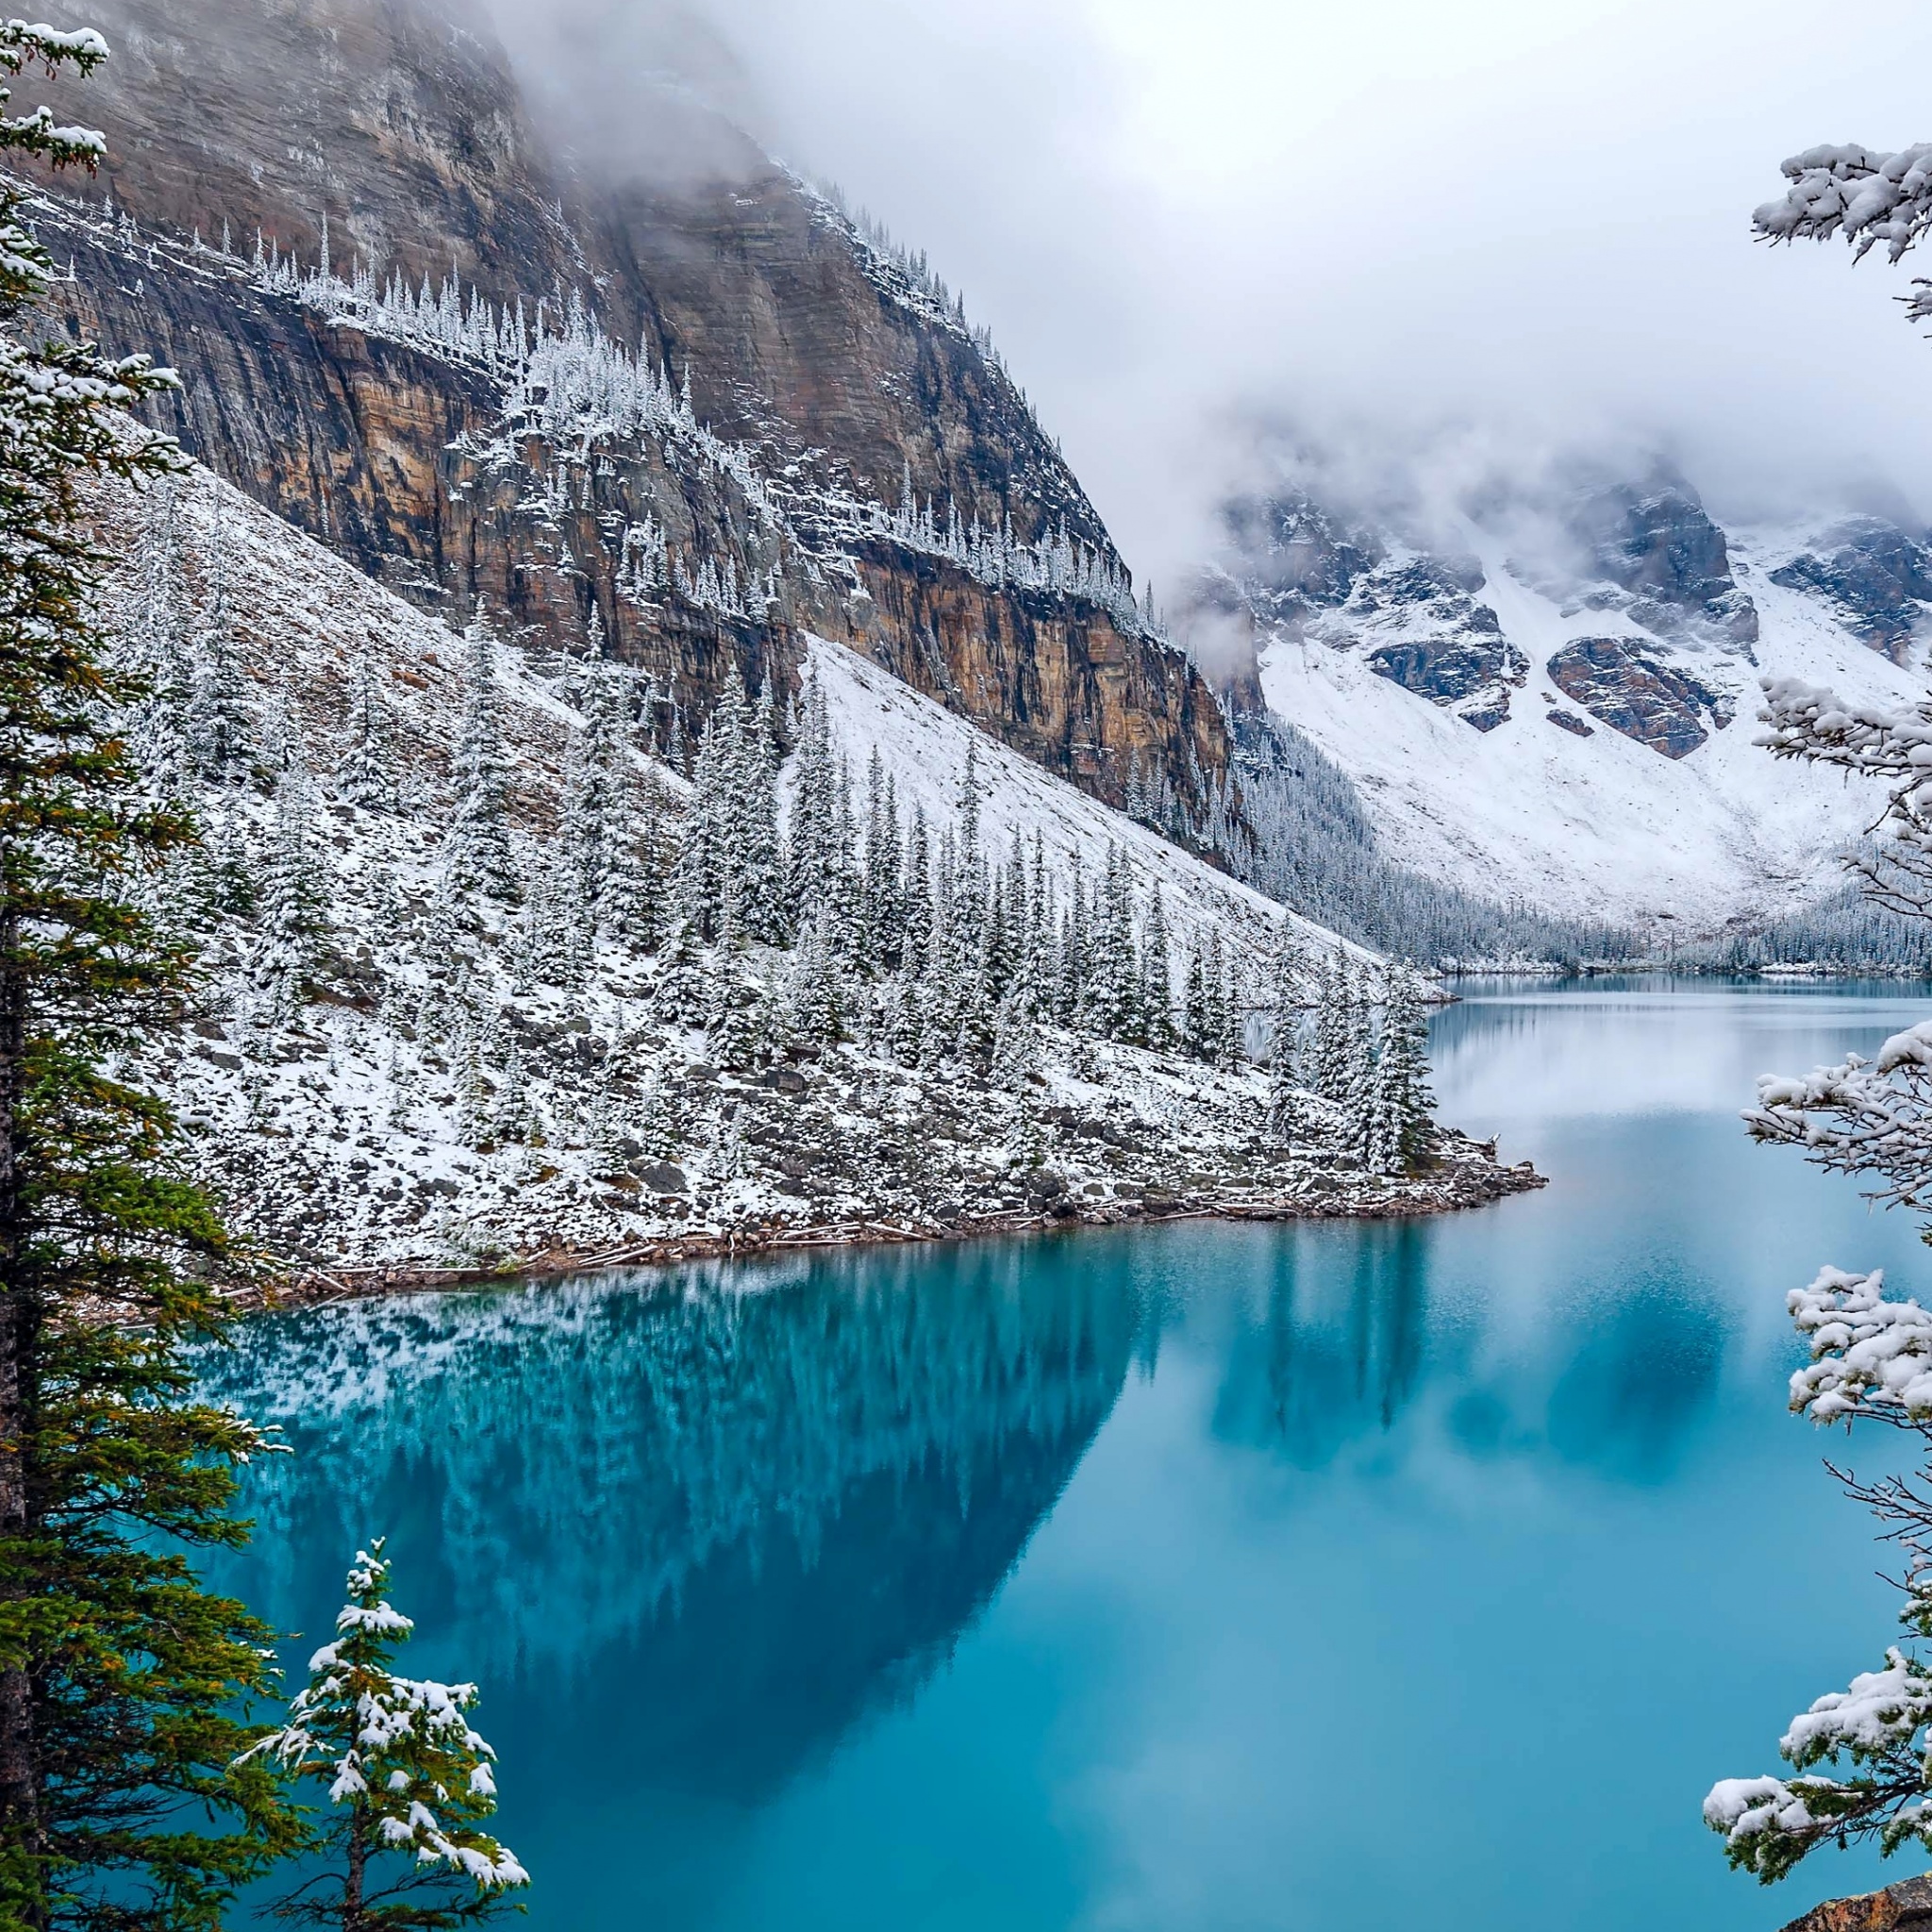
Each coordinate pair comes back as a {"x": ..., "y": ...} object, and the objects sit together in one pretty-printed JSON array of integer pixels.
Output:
[{"x": 1488, "y": 232}]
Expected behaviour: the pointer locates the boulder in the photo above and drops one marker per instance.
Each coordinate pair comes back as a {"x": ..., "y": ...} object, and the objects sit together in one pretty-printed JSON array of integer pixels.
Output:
[{"x": 1894, "y": 1910}]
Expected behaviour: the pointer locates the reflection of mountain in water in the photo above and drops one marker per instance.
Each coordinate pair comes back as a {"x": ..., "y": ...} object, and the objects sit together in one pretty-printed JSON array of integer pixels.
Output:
[
  {"x": 722, "y": 1525},
  {"x": 1346, "y": 1349}
]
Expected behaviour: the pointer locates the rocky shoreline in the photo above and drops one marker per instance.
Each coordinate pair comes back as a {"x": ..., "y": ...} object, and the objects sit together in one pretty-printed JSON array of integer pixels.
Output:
[{"x": 1467, "y": 1175}]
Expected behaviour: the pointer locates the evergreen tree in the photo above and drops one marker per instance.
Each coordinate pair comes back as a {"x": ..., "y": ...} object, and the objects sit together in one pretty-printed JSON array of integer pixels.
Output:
[
  {"x": 1114, "y": 989},
  {"x": 155, "y": 648},
  {"x": 366, "y": 774},
  {"x": 813, "y": 1005},
  {"x": 1156, "y": 969},
  {"x": 293, "y": 896},
  {"x": 916, "y": 916},
  {"x": 1198, "y": 1037},
  {"x": 477, "y": 854},
  {"x": 1286, "y": 1006},
  {"x": 699, "y": 888},
  {"x": 1406, "y": 1104},
  {"x": 810, "y": 857},
  {"x": 216, "y": 727},
  {"x": 1360, "y": 1083},
  {"x": 1334, "y": 1042},
  {"x": 592, "y": 856},
  {"x": 754, "y": 804},
  {"x": 409, "y": 1783},
  {"x": 120, "y": 1805}
]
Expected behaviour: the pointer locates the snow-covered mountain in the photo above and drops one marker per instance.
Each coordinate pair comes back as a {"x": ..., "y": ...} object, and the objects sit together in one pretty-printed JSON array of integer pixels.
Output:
[
  {"x": 500, "y": 969},
  {"x": 1554, "y": 702}
]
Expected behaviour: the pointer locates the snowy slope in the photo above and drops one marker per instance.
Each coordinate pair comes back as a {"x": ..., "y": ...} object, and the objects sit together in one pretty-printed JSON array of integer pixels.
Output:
[
  {"x": 1600, "y": 825},
  {"x": 924, "y": 747},
  {"x": 445, "y": 1094}
]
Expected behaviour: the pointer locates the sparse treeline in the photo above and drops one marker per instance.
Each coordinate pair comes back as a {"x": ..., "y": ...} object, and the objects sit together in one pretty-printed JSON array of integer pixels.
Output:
[{"x": 1301, "y": 837}]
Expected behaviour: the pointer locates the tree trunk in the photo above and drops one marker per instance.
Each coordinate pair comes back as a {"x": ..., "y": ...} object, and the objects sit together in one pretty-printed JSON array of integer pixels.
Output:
[
  {"x": 353, "y": 1920},
  {"x": 20, "y": 1781}
]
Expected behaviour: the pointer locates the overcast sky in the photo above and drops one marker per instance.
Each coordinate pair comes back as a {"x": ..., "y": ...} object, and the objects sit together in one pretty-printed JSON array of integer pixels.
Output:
[{"x": 1528, "y": 218}]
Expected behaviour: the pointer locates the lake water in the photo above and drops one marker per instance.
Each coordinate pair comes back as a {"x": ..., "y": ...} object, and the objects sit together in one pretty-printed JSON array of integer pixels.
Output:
[{"x": 1195, "y": 1578}]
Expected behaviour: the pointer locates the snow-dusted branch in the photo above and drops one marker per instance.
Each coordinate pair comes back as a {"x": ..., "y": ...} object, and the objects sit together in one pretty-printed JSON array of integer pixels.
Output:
[
  {"x": 1870, "y": 198},
  {"x": 1894, "y": 746},
  {"x": 1870, "y": 1358},
  {"x": 1863, "y": 1117}
]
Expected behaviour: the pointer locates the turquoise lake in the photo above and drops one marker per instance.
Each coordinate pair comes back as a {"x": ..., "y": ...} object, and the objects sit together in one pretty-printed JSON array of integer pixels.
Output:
[{"x": 1242, "y": 1578}]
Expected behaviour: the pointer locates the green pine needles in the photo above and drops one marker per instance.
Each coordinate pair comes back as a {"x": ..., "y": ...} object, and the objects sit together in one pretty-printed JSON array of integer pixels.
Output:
[
  {"x": 119, "y": 1676},
  {"x": 409, "y": 1781}
]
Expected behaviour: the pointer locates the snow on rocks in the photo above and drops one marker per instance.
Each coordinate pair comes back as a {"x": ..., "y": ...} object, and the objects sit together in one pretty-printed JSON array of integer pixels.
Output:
[{"x": 1592, "y": 823}]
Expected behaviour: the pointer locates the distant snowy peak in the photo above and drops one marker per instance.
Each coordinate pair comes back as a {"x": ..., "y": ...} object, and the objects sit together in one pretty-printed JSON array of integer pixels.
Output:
[
  {"x": 1536, "y": 696},
  {"x": 1644, "y": 571}
]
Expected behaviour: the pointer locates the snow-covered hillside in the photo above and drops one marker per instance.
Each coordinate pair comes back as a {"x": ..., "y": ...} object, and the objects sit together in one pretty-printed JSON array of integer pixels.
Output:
[
  {"x": 507, "y": 960},
  {"x": 924, "y": 747},
  {"x": 1580, "y": 735}
]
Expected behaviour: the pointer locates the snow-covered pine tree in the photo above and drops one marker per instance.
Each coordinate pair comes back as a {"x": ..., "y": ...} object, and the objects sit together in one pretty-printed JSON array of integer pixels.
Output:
[
  {"x": 120, "y": 1676},
  {"x": 1231, "y": 1012},
  {"x": 295, "y": 896},
  {"x": 1334, "y": 1042},
  {"x": 754, "y": 799},
  {"x": 916, "y": 919},
  {"x": 1198, "y": 1040},
  {"x": 740, "y": 1027},
  {"x": 1287, "y": 1005},
  {"x": 1114, "y": 988},
  {"x": 811, "y": 858},
  {"x": 154, "y": 645},
  {"x": 408, "y": 1782},
  {"x": 595, "y": 867},
  {"x": 699, "y": 884},
  {"x": 1405, "y": 1104},
  {"x": 1156, "y": 972},
  {"x": 366, "y": 774},
  {"x": 477, "y": 853},
  {"x": 812, "y": 1009},
  {"x": 217, "y": 728},
  {"x": 1360, "y": 1083},
  {"x": 878, "y": 922},
  {"x": 1015, "y": 1041}
]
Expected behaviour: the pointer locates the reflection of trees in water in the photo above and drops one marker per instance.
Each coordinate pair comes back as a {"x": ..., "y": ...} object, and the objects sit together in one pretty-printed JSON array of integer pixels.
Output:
[
  {"x": 1346, "y": 1345},
  {"x": 1338, "y": 1348},
  {"x": 722, "y": 1524},
  {"x": 1642, "y": 1376}
]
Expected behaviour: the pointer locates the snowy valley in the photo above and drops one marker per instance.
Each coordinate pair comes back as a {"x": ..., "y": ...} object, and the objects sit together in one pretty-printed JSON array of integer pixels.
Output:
[{"x": 1551, "y": 700}]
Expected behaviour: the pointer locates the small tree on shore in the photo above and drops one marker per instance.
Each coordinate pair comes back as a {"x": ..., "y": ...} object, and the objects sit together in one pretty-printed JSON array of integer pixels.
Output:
[{"x": 408, "y": 1782}]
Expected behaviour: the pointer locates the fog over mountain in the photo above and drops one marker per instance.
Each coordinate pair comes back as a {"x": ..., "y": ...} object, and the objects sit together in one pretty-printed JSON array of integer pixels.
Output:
[{"x": 1499, "y": 228}]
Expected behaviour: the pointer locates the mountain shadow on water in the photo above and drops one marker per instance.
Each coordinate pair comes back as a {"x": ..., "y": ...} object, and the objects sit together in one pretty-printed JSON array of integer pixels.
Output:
[{"x": 716, "y": 1528}]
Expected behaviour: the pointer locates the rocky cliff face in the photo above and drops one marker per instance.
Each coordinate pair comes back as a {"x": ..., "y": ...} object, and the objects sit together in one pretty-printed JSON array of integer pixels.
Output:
[
  {"x": 713, "y": 414},
  {"x": 1877, "y": 576}
]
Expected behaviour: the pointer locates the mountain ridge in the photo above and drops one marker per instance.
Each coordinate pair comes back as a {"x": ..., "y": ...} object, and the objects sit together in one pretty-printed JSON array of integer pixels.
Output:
[{"x": 843, "y": 456}]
